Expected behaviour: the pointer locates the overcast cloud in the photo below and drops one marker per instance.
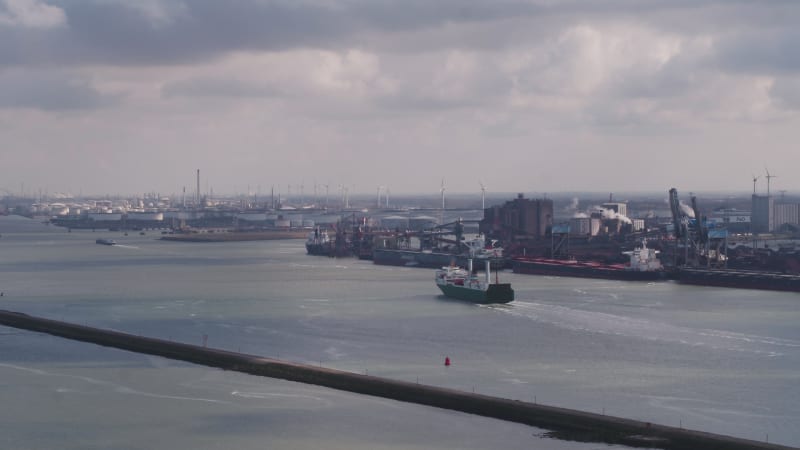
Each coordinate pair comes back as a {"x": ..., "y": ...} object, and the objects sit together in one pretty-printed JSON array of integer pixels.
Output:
[{"x": 114, "y": 96}]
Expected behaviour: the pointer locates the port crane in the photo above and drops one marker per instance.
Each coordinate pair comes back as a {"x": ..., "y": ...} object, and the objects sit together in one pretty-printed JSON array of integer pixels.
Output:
[
  {"x": 438, "y": 238},
  {"x": 455, "y": 228},
  {"x": 699, "y": 244}
]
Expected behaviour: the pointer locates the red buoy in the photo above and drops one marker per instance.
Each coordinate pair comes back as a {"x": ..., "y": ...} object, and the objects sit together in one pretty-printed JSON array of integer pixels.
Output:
[{"x": 447, "y": 361}]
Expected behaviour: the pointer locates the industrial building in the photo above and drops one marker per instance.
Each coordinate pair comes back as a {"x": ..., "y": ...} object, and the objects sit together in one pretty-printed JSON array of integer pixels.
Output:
[
  {"x": 762, "y": 216},
  {"x": 518, "y": 218},
  {"x": 733, "y": 220},
  {"x": 769, "y": 215},
  {"x": 786, "y": 214},
  {"x": 584, "y": 226}
]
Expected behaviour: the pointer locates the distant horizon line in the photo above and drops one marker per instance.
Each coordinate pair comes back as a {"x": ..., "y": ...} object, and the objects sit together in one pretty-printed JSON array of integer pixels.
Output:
[{"x": 360, "y": 195}]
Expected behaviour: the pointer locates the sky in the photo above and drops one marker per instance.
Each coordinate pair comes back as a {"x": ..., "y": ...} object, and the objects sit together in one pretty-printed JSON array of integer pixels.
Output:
[{"x": 126, "y": 97}]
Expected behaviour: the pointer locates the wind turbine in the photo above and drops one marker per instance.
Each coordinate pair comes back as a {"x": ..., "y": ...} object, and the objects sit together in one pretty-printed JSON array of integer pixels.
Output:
[
  {"x": 769, "y": 177},
  {"x": 483, "y": 195},
  {"x": 755, "y": 178},
  {"x": 441, "y": 214},
  {"x": 442, "y": 191}
]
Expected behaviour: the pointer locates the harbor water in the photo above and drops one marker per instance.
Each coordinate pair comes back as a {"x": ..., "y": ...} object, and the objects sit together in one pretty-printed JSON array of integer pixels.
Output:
[{"x": 721, "y": 360}]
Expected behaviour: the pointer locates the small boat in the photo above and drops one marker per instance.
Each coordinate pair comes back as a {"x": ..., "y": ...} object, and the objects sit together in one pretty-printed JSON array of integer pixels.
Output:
[
  {"x": 106, "y": 242},
  {"x": 464, "y": 284}
]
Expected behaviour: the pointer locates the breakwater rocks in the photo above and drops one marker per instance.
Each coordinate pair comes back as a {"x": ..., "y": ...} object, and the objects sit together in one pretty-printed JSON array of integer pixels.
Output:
[{"x": 565, "y": 423}]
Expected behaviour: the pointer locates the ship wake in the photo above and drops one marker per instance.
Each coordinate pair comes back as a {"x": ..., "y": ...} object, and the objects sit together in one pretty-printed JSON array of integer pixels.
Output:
[{"x": 642, "y": 328}]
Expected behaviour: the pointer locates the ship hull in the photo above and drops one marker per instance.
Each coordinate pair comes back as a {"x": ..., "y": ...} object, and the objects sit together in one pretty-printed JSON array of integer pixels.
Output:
[
  {"x": 410, "y": 258},
  {"x": 325, "y": 249},
  {"x": 740, "y": 279},
  {"x": 328, "y": 249},
  {"x": 495, "y": 293},
  {"x": 431, "y": 260},
  {"x": 600, "y": 271}
]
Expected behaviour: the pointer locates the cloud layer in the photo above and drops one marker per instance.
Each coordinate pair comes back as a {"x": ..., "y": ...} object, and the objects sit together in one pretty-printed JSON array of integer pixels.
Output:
[{"x": 527, "y": 95}]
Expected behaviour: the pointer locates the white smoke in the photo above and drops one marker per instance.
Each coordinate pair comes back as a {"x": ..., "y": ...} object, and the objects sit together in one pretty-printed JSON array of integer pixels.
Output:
[
  {"x": 611, "y": 214},
  {"x": 580, "y": 215},
  {"x": 573, "y": 205},
  {"x": 686, "y": 209}
]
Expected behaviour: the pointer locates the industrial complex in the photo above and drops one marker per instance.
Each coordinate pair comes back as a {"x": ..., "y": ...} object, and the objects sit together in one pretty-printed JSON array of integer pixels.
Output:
[{"x": 755, "y": 234}]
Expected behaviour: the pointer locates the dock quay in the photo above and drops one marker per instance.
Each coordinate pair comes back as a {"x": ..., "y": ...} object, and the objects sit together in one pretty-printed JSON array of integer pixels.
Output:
[
  {"x": 746, "y": 279},
  {"x": 565, "y": 423}
]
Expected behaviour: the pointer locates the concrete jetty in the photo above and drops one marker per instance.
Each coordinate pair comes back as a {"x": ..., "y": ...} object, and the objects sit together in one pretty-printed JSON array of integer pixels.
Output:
[{"x": 567, "y": 423}]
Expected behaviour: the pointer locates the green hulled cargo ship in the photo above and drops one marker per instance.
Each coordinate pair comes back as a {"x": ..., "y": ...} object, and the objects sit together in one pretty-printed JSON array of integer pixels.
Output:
[{"x": 464, "y": 284}]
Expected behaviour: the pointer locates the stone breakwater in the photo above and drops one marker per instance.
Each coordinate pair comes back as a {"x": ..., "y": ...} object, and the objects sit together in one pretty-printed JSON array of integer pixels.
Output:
[{"x": 566, "y": 423}]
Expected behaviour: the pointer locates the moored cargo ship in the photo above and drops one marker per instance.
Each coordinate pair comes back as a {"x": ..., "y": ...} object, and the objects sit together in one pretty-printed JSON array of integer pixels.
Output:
[
  {"x": 414, "y": 258},
  {"x": 476, "y": 249},
  {"x": 319, "y": 243},
  {"x": 743, "y": 279},
  {"x": 464, "y": 284},
  {"x": 643, "y": 266}
]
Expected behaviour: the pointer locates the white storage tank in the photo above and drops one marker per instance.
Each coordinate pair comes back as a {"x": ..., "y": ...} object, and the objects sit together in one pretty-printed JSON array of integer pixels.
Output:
[
  {"x": 146, "y": 216},
  {"x": 180, "y": 215},
  {"x": 394, "y": 222},
  {"x": 252, "y": 217},
  {"x": 105, "y": 216},
  {"x": 422, "y": 222}
]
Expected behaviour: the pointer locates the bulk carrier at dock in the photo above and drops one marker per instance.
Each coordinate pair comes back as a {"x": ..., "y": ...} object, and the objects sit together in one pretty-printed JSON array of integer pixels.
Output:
[
  {"x": 643, "y": 265},
  {"x": 743, "y": 279}
]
